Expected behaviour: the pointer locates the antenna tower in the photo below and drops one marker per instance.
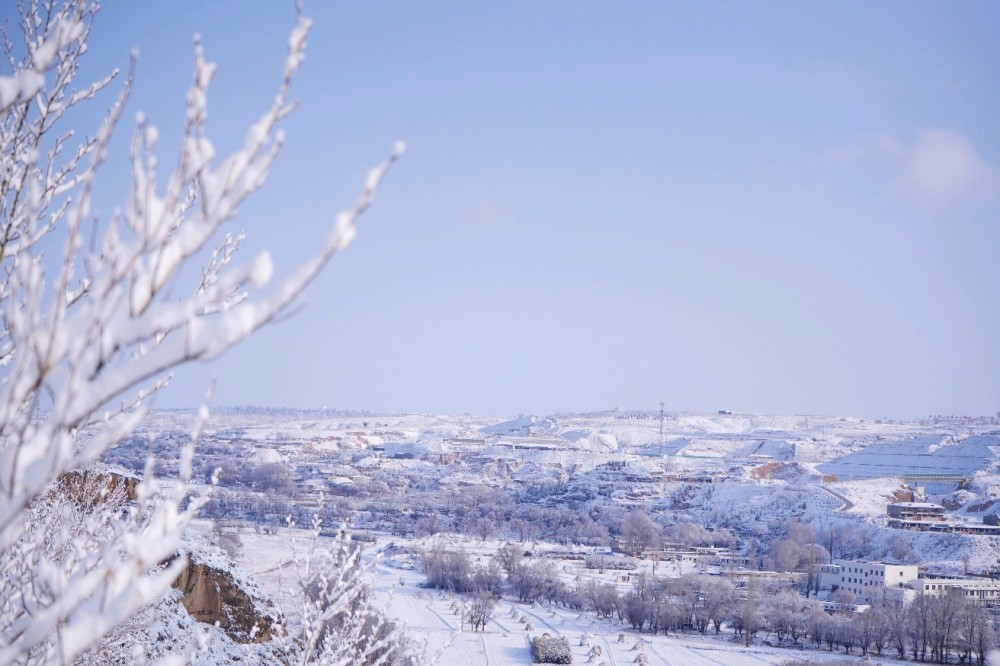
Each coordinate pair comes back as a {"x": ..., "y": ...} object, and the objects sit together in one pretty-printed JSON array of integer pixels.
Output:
[{"x": 661, "y": 422}]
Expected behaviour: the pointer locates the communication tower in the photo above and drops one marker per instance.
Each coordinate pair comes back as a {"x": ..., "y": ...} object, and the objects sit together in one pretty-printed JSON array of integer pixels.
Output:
[{"x": 661, "y": 422}]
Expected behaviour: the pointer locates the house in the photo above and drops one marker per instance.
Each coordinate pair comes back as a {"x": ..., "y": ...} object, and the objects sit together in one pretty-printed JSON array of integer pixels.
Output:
[
  {"x": 915, "y": 515},
  {"x": 924, "y": 516}
]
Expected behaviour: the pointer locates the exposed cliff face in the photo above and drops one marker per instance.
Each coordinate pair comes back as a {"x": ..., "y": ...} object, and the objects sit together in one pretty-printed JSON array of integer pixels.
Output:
[
  {"x": 212, "y": 595},
  {"x": 210, "y": 592},
  {"x": 91, "y": 488}
]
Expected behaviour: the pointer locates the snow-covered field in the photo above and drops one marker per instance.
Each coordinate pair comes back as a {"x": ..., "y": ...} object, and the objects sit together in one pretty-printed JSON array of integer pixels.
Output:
[{"x": 433, "y": 617}]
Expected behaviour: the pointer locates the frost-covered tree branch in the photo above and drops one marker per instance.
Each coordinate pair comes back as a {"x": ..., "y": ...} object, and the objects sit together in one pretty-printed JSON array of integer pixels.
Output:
[
  {"x": 88, "y": 341},
  {"x": 337, "y": 623}
]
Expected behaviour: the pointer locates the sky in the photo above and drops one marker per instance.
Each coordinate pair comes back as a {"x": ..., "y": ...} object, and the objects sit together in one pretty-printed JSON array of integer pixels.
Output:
[{"x": 788, "y": 208}]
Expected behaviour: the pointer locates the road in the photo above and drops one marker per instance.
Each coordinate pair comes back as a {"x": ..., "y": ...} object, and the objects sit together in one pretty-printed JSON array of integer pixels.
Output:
[{"x": 847, "y": 504}]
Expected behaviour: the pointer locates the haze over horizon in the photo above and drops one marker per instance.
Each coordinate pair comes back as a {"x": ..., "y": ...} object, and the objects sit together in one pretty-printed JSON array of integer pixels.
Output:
[
  {"x": 781, "y": 209},
  {"x": 352, "y": 409}
]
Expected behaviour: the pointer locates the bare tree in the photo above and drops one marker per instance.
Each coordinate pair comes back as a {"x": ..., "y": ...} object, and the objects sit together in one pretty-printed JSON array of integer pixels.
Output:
[
  {"x": 786, "y": 555},
  {"x": 227, "y": 537},
  {"x": 510, "y": 557},
  {"x": 639, "y": 532},
  {"x": 640, "y": 603},
  {"x": 812, "y": 562},
  {"x": 844, "y": 596},
  {"x": 787, "y": 612},
  {"x": 489, "y": 578},
  {"x": 919, "y": 618},
  {"x": 447, "y": 569},
  {"x": 535, "y": 580},
  {"x": 485, "y": 528},
  {"x": 479, "y": 609},
  {"x": 717, "y": 595},
  {"x": 846, "y": 631},
  {"x": 85, "y": 343},
  {"x": 895, "y": 612},
  {"x": 945, "y": 619},
  {"x": 975, "y": 635},
  {"x": 801, "y": 533},
  {"x": 523, "y": 528},
  {"x": 690, "y": 534},
  {"x": 603, "y": 599},
  {"x": 750, "y": 610}
]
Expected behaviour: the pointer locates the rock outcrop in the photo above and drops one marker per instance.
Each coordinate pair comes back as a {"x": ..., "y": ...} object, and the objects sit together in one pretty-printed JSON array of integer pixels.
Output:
[
  {"x": 213, "y": 595},
  {"x": 90, "y": 488}
]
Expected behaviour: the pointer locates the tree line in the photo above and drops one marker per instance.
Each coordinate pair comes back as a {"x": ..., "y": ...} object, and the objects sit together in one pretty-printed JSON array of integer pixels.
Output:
[{"x": 941, "y": 629}]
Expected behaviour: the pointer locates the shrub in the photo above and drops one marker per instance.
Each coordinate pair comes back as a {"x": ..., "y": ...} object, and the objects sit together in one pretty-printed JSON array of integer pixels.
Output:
[{"x": 546, "y": 649}]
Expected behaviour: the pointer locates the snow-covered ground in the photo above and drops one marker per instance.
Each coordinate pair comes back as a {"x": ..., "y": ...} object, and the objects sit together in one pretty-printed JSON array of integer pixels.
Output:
[{"x": 433, "y": 616}]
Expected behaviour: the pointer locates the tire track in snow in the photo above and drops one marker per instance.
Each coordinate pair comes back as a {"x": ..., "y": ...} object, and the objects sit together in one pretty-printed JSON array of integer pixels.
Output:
[
  {"x": 703, "y": 656},
  {"x": 652, "y": 648},
  {"x": 542, "y": 620},
  {"x": 282, "y": 565},
  {"x": 486, "y": 649},
  {"x": 753, "y": 655},
  {"x": 700, "y": 651},
  {"x": 502, "y": 627},
  {"x": 448, "y": 624},
  {"x": 610, "y": 653}
]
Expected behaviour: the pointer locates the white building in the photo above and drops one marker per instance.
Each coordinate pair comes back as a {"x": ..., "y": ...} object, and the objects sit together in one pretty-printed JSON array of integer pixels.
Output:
[
  {"x": 979, "y": 590},
  {"x": 860, "y": 577}
]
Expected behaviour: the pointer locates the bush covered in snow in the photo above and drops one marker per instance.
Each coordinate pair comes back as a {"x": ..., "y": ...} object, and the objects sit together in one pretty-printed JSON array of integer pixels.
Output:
[{"x": 546, "y": 649}]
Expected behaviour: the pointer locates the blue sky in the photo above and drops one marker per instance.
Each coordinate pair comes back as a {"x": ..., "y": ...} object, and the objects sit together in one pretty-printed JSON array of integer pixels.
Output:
[{"x": 767, "y": 207}]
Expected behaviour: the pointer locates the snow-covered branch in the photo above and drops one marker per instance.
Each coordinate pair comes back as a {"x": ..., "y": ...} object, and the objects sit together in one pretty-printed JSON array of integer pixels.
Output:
[
  {"x": 90, "y": 340},
  {"x": 337, "y": 623}
]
